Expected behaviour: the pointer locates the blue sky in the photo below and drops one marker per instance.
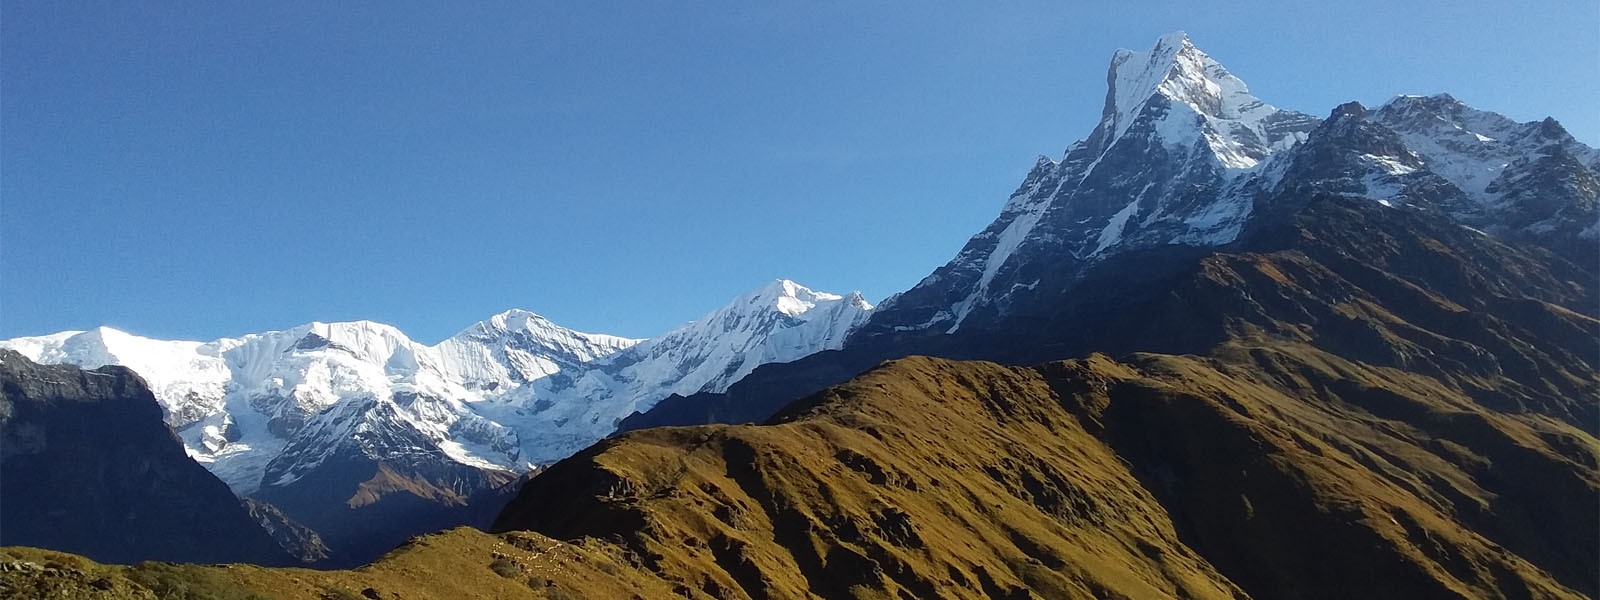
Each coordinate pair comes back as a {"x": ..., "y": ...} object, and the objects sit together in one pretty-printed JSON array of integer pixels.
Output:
[{"x": 199, "y": 170}]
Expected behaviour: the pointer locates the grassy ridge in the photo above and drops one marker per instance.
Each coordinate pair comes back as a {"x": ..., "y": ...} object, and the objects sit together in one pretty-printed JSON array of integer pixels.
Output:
[{"x": 1269, "y": 470}]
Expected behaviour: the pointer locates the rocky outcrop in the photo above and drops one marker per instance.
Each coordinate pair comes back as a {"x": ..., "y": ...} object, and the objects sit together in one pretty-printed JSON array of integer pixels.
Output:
[
  {"x": 296, "y": 539},
  {"x": 89, "y": 467}
]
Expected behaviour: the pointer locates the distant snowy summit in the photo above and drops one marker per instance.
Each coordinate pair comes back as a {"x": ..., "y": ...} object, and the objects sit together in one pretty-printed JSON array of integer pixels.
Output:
[{"x": 511, "y": 391}]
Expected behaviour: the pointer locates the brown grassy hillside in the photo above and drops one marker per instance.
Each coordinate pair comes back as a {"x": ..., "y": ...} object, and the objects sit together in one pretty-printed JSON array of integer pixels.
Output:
[
  {"x": 1281, "y": 470},
  {"x": 1273, "y": 470}
]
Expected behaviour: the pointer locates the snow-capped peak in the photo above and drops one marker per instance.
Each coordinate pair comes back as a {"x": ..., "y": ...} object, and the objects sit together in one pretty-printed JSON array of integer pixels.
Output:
[
  {"x": 367, "y": 340},
  {"x": 1530, "y": 180},
  {"x": 520, "y": 346},
  {"x": 791, "y": 298},
  {"x": 1179, "y": 138},
  {"x": 1136, "y": 76},
  {"x": 1470, "y": 147},
  {"x": 514, "y": 320},
  {"x": 1202, "y": 100},
  {"x": 858, "y": 301},
  {"x": 517, "y": 318},
  {"x": 778, "y": 322},
  {"x": 1175, "y": 69}
]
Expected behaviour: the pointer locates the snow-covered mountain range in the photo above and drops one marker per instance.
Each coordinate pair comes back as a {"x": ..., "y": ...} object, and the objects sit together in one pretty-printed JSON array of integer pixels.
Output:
[
  {"x": 509, "y": 392},
  {"x": 1185, "y": 155}
]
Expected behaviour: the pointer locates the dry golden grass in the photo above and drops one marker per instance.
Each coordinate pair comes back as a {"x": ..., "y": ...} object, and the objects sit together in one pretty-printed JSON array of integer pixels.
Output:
[
  {"x": 461, "y": 563},
  {"x": 1272, "y": 470}
]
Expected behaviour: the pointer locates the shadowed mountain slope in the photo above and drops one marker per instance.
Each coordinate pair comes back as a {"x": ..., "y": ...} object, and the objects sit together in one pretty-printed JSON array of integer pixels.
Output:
[{"x": 88, "y": 466}]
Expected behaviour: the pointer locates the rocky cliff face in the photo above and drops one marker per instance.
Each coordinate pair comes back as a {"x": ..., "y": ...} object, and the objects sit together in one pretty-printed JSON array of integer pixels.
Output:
[
  {"x": 89, "y": 467},
  {"x": 299, "y": 541}
]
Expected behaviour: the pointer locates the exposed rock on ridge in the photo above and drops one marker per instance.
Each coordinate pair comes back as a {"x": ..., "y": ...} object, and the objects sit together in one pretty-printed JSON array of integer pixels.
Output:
[{"x": 89, "y": 467}]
